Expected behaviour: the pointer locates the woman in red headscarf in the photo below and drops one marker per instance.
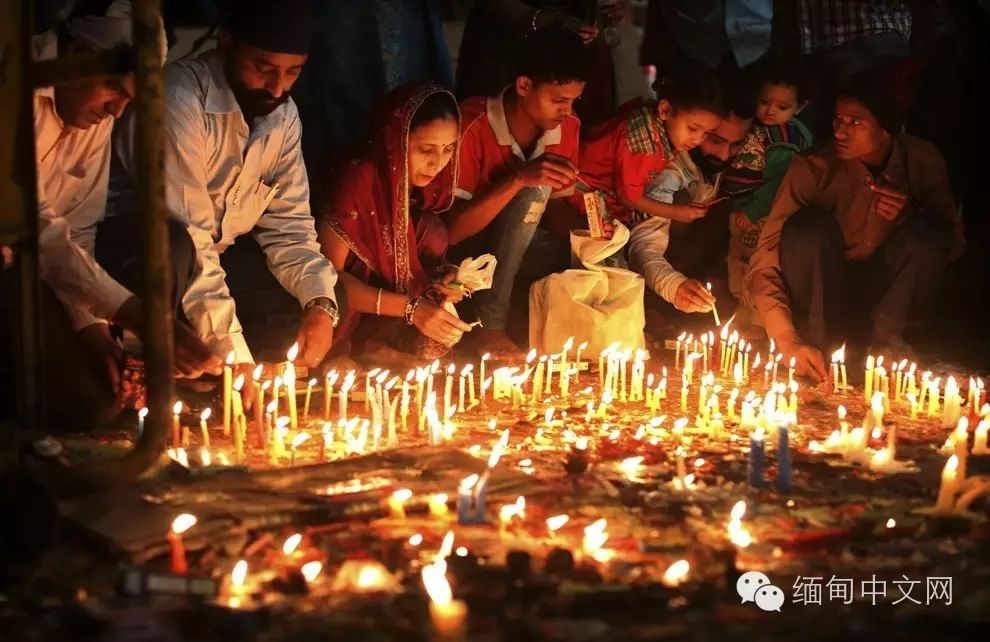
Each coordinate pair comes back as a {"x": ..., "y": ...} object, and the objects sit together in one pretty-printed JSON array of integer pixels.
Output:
[{"x": 378, "y": 224}]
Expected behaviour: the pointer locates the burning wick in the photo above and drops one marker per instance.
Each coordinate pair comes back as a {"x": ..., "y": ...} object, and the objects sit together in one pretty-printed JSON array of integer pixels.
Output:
[
  {"x": 180, "y": 525},
  {"x": 291, "y": 544}
]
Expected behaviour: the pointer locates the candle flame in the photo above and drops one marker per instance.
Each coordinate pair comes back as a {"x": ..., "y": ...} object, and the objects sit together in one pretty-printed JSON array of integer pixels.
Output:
[
  {"x": 293, "y": 352},
  {"x": 256, "y": 374},
  {"x": 239, "y": 573},
  {"x": 891, "y": 523},
  {"x": 311, "y": 570},
  {"x": 183, "y": 522},
  {"x": 415, "y": 539},
  {"x": 468, "y": 483},
  {"x": 300, "y": 439},
  {"x": 676, "y": 573},
  {"x": 143, "y": 413},
  {"x": 203, "y": 416},
  {"x": 371, "y": 576},
  {"x": 556, "y": 522},
  {"x": 530, "y": 355},
  {"x": 177, "y": 408},
  {"x": 842, "y": 412},
  {"x": 291, "y": 543},
  {"x": 230, "y": 358},
  {"x": 402, "y": 495},
  {"x": 952, "y": 465},
  {"x": 437, "y": 586},
  {"x": 498, "y": 448},
  {"x": 839, "y": 356},
  {"x": 630, "y": 467},
  {"x": 239, "y": 382},
  {"x": 204, "y": 457},
  {"x": 876, "y": 402},
  {"x": 595, "y": 536},
  {"x": 270, "y": 408},
  {"x": 738, "y": 510}
]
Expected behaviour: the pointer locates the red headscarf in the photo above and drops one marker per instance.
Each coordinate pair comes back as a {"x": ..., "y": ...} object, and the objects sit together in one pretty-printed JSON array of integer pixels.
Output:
[{"x": 368, "y": 203}]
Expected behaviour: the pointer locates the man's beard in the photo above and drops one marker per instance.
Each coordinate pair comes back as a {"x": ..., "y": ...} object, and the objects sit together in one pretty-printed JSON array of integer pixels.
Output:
[
  {"x": 253, "y": 102},
  {"x": 709, "y": 165}
]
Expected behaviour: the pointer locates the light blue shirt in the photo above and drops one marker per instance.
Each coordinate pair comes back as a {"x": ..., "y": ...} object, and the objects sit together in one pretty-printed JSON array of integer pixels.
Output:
[{"x": 708, "y": 29}]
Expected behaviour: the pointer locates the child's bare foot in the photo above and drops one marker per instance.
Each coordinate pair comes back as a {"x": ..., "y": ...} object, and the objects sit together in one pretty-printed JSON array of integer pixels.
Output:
[{"x": 494, "y": 342}]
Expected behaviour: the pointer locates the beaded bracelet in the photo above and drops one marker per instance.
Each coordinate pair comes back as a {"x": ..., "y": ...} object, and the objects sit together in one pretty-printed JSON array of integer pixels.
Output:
[
  {"x": 411, "y": 308},
  {"x": 536, "y": 14}
]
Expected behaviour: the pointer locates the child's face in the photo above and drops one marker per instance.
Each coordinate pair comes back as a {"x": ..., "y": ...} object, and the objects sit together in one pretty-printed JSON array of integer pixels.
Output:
[
  {"x": 777, "y": 104},
  {"x": 687, "y": 127}
]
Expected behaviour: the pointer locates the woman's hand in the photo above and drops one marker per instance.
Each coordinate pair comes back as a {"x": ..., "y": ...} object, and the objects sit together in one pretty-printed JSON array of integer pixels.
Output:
[
  {"x": 451, "y": 293},
  {"x": 438, "y": 324}
]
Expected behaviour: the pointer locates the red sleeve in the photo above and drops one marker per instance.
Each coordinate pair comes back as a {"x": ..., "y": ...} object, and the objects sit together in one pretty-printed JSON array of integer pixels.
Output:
[
  {"x": 469, "y": 172},
  {"x": 632, "y": 170}
]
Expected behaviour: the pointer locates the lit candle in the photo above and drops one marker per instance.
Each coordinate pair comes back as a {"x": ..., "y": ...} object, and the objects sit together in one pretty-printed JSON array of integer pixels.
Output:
[
  {"x": 328, "y": 384},
  {"x": 467, "y": 512},
  {"x": 461, "y": 389},
  {"x": 548, "y": 385},
  {"x": 447, "y": 614},
  {"x": 555, "y": 523},
  {"x": 756, "y": 458},
  {"x": 297, "y": 441},
  {"x": 404, "y": 406},
  {"x": 835, "y": 371},
  {"x": 204, "y": 433},
  {"x": 581, "y": 348},
  {"x": 309, "y": 395},
  {"x": 947, "y": 490},
  {"x": 980, "y": 437},
  {"x": 227, "y": 383},
  {"x": 448, "y": 389},
  {"x": 677, "y": 354},
  {"x": 469, "y": 370},
  {"x": 563, "y": 353},
  {"x": 868, "y": 378},
  {"x": 289, "y": 379},
  {"x": 960, "y": 442},
  {"x": 537, "y": 395},
  {"x": 783, "y": 460},
  {"x": 481, "y": 370},
  {"x": 176, "y": 411},
  {"x": 141, "y": 415},
  {"x": 345, "y": 388},
  {"x": 438, "y": 506},
  {"x": 180, "y": 525},
  {"x": 368, "y": 376},
  {"x": 397, "y": 501},
  {"x": 238, "y": 418},
  {"x": 327, "y": 434},
  {"x": 790, "y": 371},
  {"x": 933, "y": 396},
  {"x": 714, "y": 307},
  {"x": 749, "y": 348}
]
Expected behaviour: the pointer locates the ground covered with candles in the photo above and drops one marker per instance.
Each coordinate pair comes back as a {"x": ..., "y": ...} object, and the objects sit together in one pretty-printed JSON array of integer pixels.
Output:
[{"x": 585, "y": 495}]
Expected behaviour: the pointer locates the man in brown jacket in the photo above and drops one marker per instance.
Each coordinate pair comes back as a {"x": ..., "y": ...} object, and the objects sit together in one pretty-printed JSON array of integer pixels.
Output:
[{"x": 872, "y": 207}]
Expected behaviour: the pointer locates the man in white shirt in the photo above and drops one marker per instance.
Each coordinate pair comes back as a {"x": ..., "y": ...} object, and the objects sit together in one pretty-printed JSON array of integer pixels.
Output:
[
  {"x": 72, "y": 126},
  {"x": 234, "y": 166}
]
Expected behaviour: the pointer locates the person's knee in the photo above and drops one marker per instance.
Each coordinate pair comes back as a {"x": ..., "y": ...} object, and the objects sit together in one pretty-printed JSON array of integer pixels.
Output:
[
  {"x": 808, "y": 233},
  {"x": 926, "y": 246}
]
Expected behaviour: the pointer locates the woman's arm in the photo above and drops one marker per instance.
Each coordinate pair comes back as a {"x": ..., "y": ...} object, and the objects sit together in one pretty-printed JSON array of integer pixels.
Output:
[{"x": 361, "y": 297}]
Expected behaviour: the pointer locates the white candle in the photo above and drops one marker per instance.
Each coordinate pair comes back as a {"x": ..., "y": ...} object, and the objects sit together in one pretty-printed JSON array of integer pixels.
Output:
[
  {"x": 481, "y": 370},
  {"x": 289, "y": 378},
  {"x": 227, "y": 383},
  {"x": 204, "y": 432},
  {"x": 947, "y": 490}
]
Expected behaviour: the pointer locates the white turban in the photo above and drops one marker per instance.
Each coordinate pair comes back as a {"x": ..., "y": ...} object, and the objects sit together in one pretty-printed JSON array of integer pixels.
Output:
[{"x": 111, "y": 29}]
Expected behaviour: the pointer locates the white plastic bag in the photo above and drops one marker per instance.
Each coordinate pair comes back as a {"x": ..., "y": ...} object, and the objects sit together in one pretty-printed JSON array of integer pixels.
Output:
[
  {"x": 473, "y": 275},
  {"x": 591, "y": 302}
]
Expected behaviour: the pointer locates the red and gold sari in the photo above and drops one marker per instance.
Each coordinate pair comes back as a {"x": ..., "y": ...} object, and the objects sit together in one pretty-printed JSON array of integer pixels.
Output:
[{"x": 397, "y": 240}]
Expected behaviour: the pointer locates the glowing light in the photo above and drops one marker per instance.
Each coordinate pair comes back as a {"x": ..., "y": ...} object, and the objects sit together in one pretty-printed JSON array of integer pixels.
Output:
[
  {"x": 291, "y": 543},
  {"x": 183, "y": 522}
]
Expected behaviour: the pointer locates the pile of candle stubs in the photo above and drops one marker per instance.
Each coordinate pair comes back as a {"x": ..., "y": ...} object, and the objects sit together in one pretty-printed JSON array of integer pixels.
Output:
[{"x": 665, "y": 423}]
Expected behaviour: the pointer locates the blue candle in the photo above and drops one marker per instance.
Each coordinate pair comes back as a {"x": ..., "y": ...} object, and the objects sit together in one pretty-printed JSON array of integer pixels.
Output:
[
  {"x": 756, "y": 457},
  {"x": 471, "y": 500},
  {"x": 783, "y": 461}
]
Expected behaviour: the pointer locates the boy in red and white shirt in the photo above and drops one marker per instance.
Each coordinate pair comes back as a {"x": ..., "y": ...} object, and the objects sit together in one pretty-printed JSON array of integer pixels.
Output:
[{"x": 518, "y": 150}]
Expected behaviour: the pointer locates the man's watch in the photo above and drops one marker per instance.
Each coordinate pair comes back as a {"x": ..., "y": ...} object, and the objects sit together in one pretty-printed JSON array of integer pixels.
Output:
[{"x": 327, "y": 305}]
